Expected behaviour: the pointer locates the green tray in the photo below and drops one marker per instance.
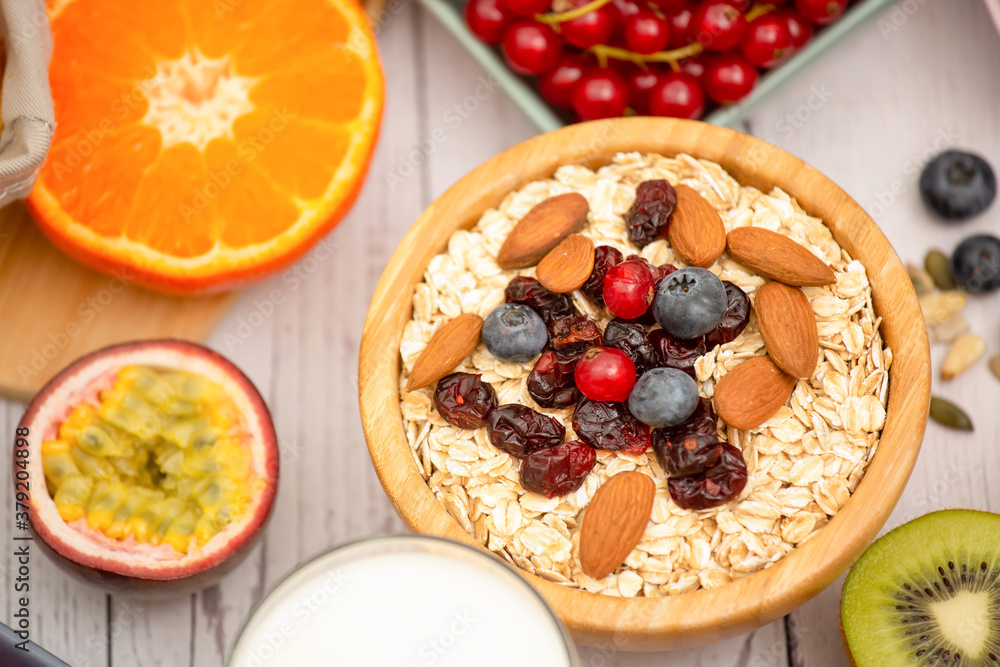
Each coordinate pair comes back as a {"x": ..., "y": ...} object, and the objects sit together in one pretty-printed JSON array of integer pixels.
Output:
[{"x": 449, "y": 13}]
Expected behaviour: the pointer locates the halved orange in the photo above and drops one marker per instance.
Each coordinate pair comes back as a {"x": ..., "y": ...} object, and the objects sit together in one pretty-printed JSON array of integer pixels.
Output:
[{"x": 202, "y": 144}]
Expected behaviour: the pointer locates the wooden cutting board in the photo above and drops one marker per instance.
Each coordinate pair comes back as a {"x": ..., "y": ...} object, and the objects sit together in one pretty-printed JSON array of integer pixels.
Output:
[{"x": 55, "y": 310}]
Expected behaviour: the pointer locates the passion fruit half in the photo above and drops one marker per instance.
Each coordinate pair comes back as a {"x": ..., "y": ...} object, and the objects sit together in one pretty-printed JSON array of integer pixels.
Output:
[{"x": 152, "y": 467}]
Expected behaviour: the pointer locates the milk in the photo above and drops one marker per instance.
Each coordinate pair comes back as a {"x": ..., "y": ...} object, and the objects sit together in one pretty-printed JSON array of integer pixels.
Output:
[{"x": 404, "y": 601}]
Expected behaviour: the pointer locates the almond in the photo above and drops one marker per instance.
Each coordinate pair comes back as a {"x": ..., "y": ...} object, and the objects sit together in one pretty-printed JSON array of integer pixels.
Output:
[
  {"x": 696, "y": 232},
  {"x": 788, "y": 326},
  {"x": 541, "y": 229},
  {"x": 568, "y": 265},
  {"x": 778, "y": 257},
  {"x": 752, "y": 392},
  {"x": 453, "y": 342},
  {"x": 615, "y": 521}
]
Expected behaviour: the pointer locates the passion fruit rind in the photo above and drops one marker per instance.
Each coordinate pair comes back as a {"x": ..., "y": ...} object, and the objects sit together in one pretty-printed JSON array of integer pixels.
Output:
[{"x": 163, "y": 473}]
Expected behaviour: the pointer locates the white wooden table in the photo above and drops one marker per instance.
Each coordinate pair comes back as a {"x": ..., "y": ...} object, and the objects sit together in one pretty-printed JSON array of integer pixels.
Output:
[{"x": 867, "y": 115}]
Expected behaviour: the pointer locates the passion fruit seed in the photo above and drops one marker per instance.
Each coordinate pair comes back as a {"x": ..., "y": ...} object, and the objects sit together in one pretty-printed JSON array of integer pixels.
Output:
[{"x": 161, "y": 459}]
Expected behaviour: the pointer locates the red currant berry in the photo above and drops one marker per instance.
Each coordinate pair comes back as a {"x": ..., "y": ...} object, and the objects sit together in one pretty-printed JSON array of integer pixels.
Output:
[
  {"x": 646, "y": 33},
  {"x": 694, "y": 66},
  {"x": 678, "y": 95},
  {"x": 640, "y": 81},
  {"x": 487, "y": 20},
  {"x": 531, "y": 47},
  {"x": 628, "y": 289},
  {"x": 680, "y": 27},
  {"x": 767, "y": 41},
  {"x": 799, "y": 28},
  {"x": 821, "y": 12},
  {"x": 592, "y": 28},
  {"x": 525, "y": 7},
  {"x": 601, "y": 93},
  {"x": 718, "y": 24},
  {"x": 557, "y": 84},
  {"x": 729, "y": 78},
  {"x": 605, "y": 374},
  {"x": 668, "y": 7}
]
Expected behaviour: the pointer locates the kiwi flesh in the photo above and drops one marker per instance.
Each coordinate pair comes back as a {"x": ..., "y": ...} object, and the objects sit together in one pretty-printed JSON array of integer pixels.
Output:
[{"x": 927, "y": 593}]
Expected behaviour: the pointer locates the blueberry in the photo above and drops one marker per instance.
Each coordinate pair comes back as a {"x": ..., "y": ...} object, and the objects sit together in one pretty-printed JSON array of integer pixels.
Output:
[
  {"x": 976, "y": 263},
  {"x": 690, "y": 302},
  {"x": 663, "y": 397},
  {"x": 958, "y": 185},
  {"x": 514, "y": 332}
]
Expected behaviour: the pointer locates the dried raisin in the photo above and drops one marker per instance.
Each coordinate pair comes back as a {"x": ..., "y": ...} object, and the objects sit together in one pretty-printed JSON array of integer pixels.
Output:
[
  {"x": 519, "y": 430},
  {"x": 649, "y": 216},
  {"x": 575, "y": 332},
  {"x": 551, "y": 381},
  {"x": 715, "y": 486},
  {"x": 558, "y": 470},
  {"x": 529, "y": 292},
  {"x": 605, "y": 425},
  {"x": 464, "y": 400}
]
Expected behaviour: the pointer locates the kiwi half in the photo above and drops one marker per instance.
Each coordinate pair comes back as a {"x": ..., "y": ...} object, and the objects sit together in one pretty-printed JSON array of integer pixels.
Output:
[{"x": 927, "y": 593}]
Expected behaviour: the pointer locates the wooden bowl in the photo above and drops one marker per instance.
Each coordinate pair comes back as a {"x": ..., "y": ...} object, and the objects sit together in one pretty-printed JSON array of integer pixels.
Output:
[{"x": 707, "y": 615}]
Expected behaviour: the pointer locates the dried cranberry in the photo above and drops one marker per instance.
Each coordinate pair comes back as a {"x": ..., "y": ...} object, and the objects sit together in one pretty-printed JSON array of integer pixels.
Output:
[
  {"x": 734, "y": 321},
  {"x": 464, "y": 400},
  {"x": 605, "y": 257},
  {"x": 551, "y": 381},
  {"x": 558, "y": 470},
  {"x": 649, "y": 216},
  {"x": 717, "y": 485},
  {"x": 519, "y": 430},
  {"x": 549, "y": 305},
  {"x": 630, "y": 338},
  {"x": 677, "y": 352},
  {"x": 702, "y": 422},
  {"x": 575, "y": 332},
  {"x": 689, "y": 447},
  {"x": 611, "y": 426}
]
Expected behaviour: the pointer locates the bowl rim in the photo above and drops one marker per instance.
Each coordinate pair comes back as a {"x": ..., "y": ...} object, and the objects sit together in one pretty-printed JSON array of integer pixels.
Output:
[{"x": 742, "y": 605}]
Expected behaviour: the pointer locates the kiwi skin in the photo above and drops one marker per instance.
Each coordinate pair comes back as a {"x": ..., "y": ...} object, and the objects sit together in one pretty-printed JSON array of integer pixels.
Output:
[{"x": 934, "y": 553}]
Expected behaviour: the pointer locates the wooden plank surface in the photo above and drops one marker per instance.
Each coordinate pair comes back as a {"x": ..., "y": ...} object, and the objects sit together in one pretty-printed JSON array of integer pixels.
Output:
[{"x": 865, "y": 115}]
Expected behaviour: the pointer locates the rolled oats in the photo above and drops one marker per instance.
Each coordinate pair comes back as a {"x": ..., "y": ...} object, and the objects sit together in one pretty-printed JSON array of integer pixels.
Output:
[{"x": 803, "y": 463}]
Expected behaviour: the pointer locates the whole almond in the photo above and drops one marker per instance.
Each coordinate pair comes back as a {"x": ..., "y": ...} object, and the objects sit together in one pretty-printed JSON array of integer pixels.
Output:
[
  {"x": 778, "y": 257},
  {"x": 453, "y": 342},
  {"x": 696, "y": 232},
  {"x": 752, "y": 392},
  {"x": 542, "y": 228},
  {"x": 568, "y": 265},
  {"x": 615, "y": 521},
  {"x": 788, "y": 326}
]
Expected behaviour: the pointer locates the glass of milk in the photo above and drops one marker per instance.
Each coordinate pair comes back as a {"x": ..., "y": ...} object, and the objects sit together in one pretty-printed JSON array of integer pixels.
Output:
[{"x": 403, "y": 601}]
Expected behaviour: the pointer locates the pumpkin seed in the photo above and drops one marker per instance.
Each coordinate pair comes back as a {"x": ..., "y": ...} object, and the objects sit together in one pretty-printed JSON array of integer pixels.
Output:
[
  {"x": 948, "y": 414},
  {"x": 939, "y": 267},
  {"x": 995, "y": 366},
  {"x": 965, "y": 351},
  {"x": 949, "y": 330},
  {"x": 922, "y": 281}
]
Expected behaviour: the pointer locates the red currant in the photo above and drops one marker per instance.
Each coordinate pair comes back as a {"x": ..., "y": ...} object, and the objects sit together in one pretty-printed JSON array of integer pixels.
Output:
[
  {"x": 646, "y": 33},
  {"x": 531, "y": 47},
  {"x": 605, "y": 374},
  {"x": 591, "y": 28},
  {"x": 628, "y": 289},
  {"x": 767, "y": 41},
  {"x": 601, "y": 93},
  {"x": 680, "y": 27},
  {"x": 525, "y": 7},
  {"x": 640, "y": 81},
  {"x": 557, "y": 84},
  {"x": 821, "y": 12},
  {"x": 694, "y": 66},
  {"x": 799, "y": 28},
  {"x": 678, "y": 95},
  {"x": 487, "y": 19},
  {"x": 668, "y": 6},
  {"x": 729, "y": 78},
  {"x": 718, "y": 24}
]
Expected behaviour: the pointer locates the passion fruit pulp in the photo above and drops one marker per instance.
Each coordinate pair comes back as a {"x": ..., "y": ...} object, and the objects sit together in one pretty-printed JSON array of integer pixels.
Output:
[{"x": 152, "y": 466}]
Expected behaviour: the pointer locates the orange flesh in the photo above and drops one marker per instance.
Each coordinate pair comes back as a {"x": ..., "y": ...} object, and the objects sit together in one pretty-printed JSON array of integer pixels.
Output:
[
  {"x": 212, "y": 132},
  {"x": 163, "y": 459}
]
